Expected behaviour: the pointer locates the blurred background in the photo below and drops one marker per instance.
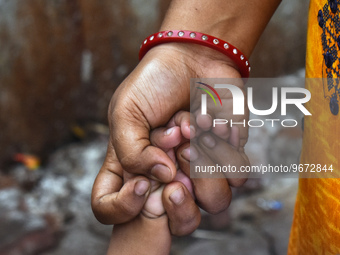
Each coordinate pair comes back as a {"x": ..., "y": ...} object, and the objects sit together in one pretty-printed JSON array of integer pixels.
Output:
[{"x": 60, "y": 63}]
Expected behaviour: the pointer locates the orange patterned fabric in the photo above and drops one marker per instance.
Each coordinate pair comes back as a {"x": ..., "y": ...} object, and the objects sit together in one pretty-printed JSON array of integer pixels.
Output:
[{"x": 316, "y": 224}]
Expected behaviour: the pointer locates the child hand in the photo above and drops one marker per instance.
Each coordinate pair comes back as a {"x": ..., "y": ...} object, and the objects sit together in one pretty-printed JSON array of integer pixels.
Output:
[{"x": 221, "y": 145}]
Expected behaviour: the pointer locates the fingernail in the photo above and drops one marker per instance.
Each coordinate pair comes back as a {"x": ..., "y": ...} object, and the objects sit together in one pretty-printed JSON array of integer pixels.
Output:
[
  {"x": 169, "y": 131},
  {"x": 193, "y": 153},
  {"x": 141, "y": 187},
  {"x": 186, "y": 154},
  {"x": 177, "y": 196},
  {"x": 190, "y": 153},
  {"x": 161, "y": 173},
  {"x": 209, "y": 141}
]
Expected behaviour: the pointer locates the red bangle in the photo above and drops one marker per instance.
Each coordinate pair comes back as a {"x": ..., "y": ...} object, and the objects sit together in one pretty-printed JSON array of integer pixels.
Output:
[{"x": 198, "y": 38}]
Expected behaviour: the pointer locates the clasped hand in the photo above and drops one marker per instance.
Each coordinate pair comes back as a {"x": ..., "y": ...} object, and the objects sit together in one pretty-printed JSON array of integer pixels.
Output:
[{"x": 147, "y": 166}]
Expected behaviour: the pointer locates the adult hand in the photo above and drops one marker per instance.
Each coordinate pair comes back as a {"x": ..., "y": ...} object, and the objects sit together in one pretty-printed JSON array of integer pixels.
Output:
[
  {"x": 157, "y": 89},
  {"x": 118, "y": 197},
  {"x": 115, "y": 203}
]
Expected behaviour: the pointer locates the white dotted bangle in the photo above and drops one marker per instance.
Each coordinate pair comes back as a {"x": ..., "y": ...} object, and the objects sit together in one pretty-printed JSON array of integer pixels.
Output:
[{"x": 203, "y": 39}]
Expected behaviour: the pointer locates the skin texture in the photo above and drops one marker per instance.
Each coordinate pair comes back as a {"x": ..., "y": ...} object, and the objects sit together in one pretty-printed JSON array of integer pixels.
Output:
[
  {"x": 107, "y": 185},
  {"x": 142, "y": 236},
  {"x": 151, "y": 95},
  {"x": 115, "y": 203},
  {"x": 151, "y": 227},
  {"x": 145, "y": 99},
  {"x": 241, "y": 22},
  {"x": 138, "y": 210}
]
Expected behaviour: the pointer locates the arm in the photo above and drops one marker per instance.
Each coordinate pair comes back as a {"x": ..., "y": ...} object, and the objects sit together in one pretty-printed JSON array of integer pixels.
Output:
[
  {"x": 142, "y": 235},
  {"x": 159, "y": 85},
  {"x": 145, "y": 100},
  {"x": 148, "y": 232},
  {"x": 239, "y": 22}
]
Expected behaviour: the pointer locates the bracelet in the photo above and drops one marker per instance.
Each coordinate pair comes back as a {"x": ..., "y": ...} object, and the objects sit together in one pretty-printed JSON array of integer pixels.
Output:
[{"x": 203, "y": 39}]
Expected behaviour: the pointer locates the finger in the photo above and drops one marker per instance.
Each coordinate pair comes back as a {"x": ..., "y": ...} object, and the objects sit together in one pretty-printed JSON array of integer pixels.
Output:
[
  {"x": 234, "y": 138},
  {"x": 224, "y": 154},
  {"x": 184, "y": 215},
  {"x": 138, "y": 156},
  {"x": 183, "y": 178},
  {"x": 166, "y": 138},
  {"x": 204, "y": 122},
  {"x": 212, "y": 194},
  {"x": 222, "y": 131},
  {"x": 194, "y": 129},
  {"x": 113, "y": 203},
  {"x": 130, "y": 136},
  {"x": 153, "y": 207},
  {"x": 183, "y": 120}
]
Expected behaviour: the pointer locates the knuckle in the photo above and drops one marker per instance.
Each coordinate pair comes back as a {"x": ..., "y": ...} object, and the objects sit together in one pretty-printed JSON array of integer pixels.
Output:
[
  {"x": 103, "y": 220},
  {"x": 186, "y": 226},
  {"x": 218, "y": 206},
  {"x": 127, "y": 209},
  {"x": 237, "y": 182},
  {"x": 99, "y": 214},
  {"x": 130, "y": 164},
  {"x": 114, "y": 212}
]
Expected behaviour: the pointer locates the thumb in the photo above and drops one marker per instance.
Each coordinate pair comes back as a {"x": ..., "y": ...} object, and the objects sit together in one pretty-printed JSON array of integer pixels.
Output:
[
  {"x": 130, "y": 136},
  {"x": 111, "y": 201}
]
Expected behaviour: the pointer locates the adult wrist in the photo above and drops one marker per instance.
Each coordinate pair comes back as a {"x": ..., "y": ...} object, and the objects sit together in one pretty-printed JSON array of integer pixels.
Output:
[{"x": 197, "y": 59}]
